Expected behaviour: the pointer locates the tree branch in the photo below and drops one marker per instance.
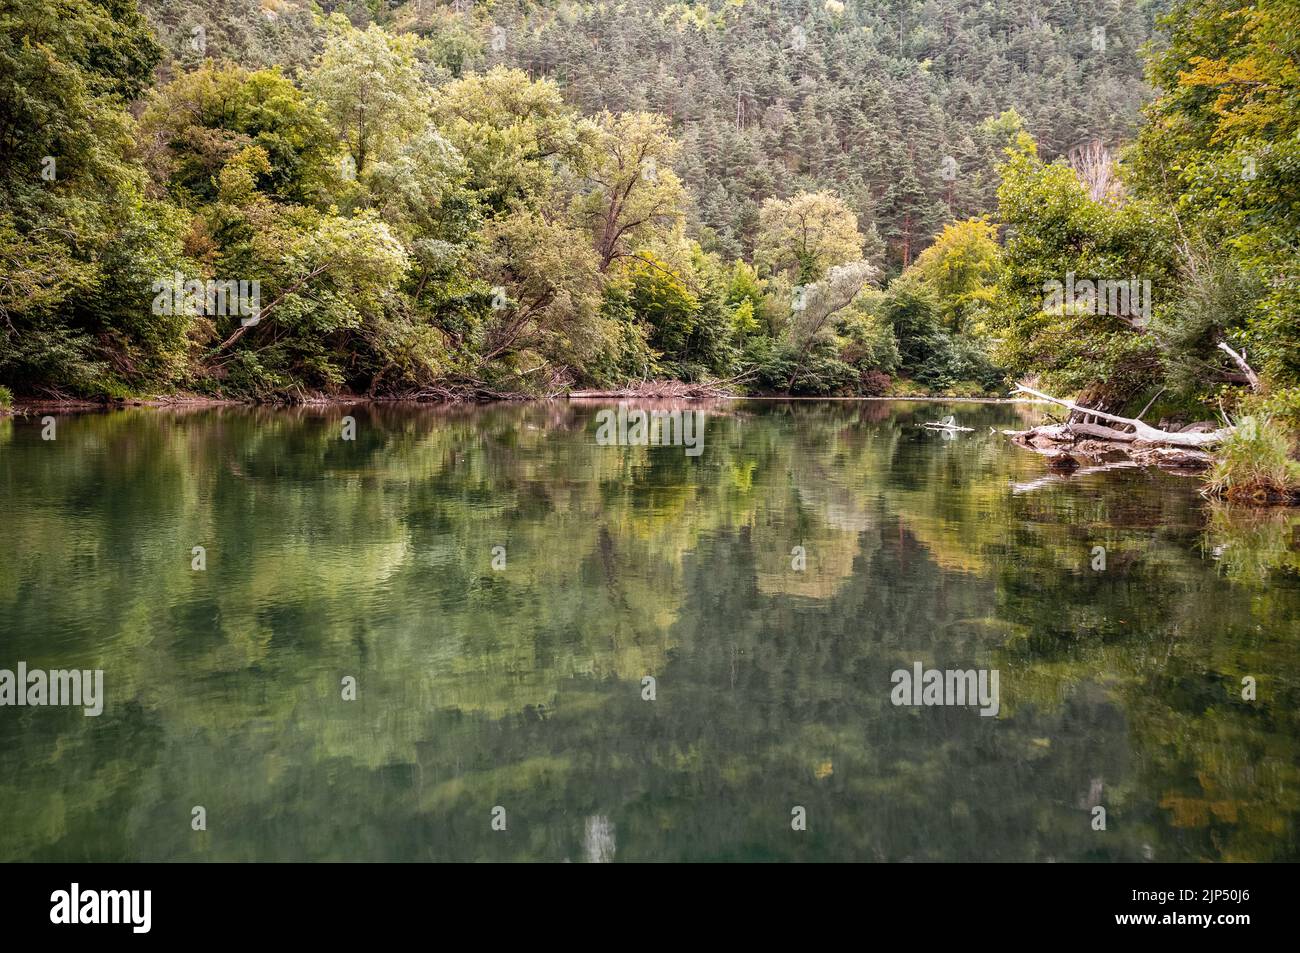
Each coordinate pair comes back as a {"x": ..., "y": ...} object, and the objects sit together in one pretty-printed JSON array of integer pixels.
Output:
[
  {"x": 1141, "y": 431},
  {"x": 1240, "y": 360}
]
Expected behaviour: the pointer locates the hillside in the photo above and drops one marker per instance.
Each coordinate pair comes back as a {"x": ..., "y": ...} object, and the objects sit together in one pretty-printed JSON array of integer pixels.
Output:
[{"x": 891, "y": 103}]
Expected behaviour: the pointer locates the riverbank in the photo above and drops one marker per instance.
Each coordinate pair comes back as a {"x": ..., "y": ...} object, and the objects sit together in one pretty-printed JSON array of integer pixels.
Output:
[{"x": 29, "y": 406}]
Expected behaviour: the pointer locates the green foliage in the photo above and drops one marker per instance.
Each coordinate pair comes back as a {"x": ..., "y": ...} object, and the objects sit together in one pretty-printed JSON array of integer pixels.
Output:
[
  {"x": 679, "y": 322},
  {"x": 938, "y": 310},
  {"x": 369, "y": 86},
  {"x": 548, "y": 282},
  {"x": 745, "y": 297},
  {"x": 200, "y": 121},
  {"x": 1254, "y": 464},
  {"x": 666, "y": 304},
  {"x": 929, "y": 351},
  {"x": 416, "y": 208},
  {"x": 79, "y": 242},
  {"x": 868, "y": 339},
  {"x": 1222, "y": 144},
  {"x": 817, "y": 372},
  {"x": 961, "y": 267},
  {"x": 258, "y": 35},
  {"x": 804, "y": 236},
  {"x": 631, "y": 194},
  {"x": 869, "y": 107},
  {"x": 515, "y": 134},
  {"x": 1060, "y": 237}
]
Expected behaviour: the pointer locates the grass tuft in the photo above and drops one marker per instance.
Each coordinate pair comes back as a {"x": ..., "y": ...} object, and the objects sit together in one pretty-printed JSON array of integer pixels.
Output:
[{"x": 1254, "y": 465}]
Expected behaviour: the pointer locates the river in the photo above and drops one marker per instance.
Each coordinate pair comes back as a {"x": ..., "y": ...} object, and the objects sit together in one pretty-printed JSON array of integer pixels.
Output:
[{"x": 481, "y": 633}]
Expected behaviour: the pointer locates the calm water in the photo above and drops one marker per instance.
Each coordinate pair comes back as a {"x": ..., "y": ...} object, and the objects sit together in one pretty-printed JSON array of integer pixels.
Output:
[{"x": 522, "y": 687}]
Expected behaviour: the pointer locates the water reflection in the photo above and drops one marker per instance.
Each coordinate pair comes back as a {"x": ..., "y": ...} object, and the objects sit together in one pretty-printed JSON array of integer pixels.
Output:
[{"x": 523, "y": 688}]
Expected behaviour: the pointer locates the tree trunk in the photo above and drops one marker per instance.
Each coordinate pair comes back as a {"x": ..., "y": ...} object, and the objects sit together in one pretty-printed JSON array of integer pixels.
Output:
[{"x": 1141, "y": 432}]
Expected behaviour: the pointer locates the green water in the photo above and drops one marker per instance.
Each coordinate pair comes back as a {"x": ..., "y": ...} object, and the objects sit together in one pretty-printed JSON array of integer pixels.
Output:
[{"x": 522, "y": 687}]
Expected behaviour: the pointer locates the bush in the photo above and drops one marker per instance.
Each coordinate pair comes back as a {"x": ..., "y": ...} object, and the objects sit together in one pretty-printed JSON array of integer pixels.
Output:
[
  {"x": 868, "y": 341},
  {"x": 6, "y": 396},
  {"x": 874, "y": 383},
  {"x": 1255, "y": 465}
]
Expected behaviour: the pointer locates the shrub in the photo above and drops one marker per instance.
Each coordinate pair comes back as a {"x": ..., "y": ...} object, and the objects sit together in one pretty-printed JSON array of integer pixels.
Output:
[
  {"x": 874, "y": 383},
  {"x": 1255, "y": 465}
]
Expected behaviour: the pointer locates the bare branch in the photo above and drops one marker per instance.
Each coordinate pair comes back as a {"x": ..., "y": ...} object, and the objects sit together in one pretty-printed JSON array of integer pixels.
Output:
[
  {"x": 1240, "y": 360},
  {"x": 1141, "y": 431}
]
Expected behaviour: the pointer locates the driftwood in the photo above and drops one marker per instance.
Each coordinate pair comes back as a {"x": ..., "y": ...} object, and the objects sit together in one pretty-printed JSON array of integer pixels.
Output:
[
  {"x": 1240, "y": 360},
  {"x": 1144, "y": 433},
  {"x": 1172, "y": 458},
  {"x": 948, "y": 424},
  {"x": 1142, "y": 444},
  {"x": 1099, "y": 432}
]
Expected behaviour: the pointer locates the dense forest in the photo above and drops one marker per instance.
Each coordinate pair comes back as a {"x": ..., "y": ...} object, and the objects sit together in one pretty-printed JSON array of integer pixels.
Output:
[{"x": 274, "y": 200}]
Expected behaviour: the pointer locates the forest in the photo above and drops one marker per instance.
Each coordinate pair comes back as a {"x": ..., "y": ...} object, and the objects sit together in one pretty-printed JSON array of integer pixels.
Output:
[{"x": 273, "y": 200}]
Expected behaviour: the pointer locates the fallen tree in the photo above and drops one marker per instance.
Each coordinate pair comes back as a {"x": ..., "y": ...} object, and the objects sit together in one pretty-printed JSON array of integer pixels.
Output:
[{"x": 1083, "y": 436}]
